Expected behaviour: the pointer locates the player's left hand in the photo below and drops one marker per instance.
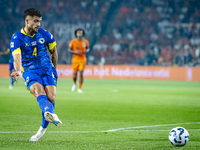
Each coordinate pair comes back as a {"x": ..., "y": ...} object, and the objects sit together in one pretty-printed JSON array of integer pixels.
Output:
[
  {"x": 16, "y": 75},
  {"x": 85, "y": 50}
]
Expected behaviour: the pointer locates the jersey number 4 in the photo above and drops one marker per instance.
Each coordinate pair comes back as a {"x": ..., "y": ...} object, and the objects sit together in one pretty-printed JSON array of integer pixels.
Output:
[{"x": 35, "y": 52}]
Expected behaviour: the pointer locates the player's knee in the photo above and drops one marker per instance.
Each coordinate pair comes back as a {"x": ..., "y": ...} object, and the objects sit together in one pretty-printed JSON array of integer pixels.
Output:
[
  {"x": 39, "y": 91},
  {"x": 81, "y": 73},
  {"x": 74, "y": 75}
]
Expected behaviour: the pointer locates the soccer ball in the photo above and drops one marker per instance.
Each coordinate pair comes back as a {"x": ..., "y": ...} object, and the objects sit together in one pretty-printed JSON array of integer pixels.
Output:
[{"x": 178, "y": 136}]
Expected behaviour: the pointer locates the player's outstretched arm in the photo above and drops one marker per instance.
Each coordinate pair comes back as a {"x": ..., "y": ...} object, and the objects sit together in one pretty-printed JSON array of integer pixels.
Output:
[
  {"x": 17, "y": 65},
  {"x": 54, "y": 56}
]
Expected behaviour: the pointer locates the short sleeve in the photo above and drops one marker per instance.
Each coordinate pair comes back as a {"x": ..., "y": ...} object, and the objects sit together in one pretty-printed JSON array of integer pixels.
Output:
[
  {"x": 87, "y": 44},
  {"x": 50, "y": 40},
  {"x": 15, "y": 45},
  {"x": 71, "y": 44}
]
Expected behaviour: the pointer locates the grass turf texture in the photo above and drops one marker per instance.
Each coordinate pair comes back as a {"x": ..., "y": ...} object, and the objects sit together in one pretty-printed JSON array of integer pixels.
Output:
[{"x": 104, "y": 105}]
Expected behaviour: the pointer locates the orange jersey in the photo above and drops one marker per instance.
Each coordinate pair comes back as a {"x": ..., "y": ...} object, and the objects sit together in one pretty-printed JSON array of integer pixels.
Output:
[{"x": 77, "y": 45}]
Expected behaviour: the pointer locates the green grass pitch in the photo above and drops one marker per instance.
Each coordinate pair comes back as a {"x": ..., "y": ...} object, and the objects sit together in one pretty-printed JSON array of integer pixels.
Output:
[{"x": 110, "y": 114}]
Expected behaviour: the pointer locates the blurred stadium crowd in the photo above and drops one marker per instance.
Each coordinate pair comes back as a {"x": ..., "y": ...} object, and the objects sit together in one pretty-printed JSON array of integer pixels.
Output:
[{"x": 135, "y": 32}]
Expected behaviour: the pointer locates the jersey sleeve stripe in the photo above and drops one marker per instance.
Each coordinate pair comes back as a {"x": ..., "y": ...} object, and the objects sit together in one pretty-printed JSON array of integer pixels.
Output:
[
  {"x": 23, "y": 71},
  {"x": 17, "y": 51},
  {"x": 52, "y": 45}
]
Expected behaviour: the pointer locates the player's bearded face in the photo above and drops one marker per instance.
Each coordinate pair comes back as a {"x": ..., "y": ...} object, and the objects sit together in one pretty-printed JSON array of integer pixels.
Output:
[{"x": 34, "y": 24}]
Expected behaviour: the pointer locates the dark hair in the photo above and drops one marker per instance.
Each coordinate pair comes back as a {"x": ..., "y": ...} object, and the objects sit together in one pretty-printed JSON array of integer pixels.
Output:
[
  {"x": 79, "y": 29},
  {"x": 31, "y": 12}
]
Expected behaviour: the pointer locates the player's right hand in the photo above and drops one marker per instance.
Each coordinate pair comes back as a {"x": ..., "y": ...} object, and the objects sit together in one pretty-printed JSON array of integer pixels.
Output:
[
  {"x": 16, "y": 75},
  {"x": 78, "y": 52}
]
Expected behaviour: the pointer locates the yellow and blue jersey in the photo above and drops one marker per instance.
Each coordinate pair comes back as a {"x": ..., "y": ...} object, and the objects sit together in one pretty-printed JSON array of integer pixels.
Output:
[
  {"x": 33, "y": 49},
  {"x": 11, "y": 60}
]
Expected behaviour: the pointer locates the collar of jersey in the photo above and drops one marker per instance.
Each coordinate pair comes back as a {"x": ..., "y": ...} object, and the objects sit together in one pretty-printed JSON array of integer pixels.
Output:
[
  {"x": 23, "y": 32},
  {"x": 78, "y": 40}
]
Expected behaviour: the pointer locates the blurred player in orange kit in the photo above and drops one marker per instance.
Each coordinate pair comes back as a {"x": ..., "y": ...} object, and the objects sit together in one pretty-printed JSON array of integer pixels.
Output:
[{"x": 78, "y": 47}]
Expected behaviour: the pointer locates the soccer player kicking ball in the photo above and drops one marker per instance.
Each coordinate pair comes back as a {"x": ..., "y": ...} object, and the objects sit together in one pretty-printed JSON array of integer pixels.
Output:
[
  {"x": 78, "y": 47},
  {"x": 29, "y": 49}
]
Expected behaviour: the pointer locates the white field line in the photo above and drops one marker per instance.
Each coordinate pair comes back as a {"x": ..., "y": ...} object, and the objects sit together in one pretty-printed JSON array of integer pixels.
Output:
[
  {"x": 139, "y": 127},
  {"x": 157, "y": 130},
  {"x": 113, "y": 130}
]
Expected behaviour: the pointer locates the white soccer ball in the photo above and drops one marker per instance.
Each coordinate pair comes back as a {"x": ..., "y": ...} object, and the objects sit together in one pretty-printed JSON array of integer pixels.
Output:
[{"x": 178, "y": 136}]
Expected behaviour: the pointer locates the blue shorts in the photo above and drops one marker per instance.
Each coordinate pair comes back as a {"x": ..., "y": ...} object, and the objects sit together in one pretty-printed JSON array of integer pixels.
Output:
[
  {"x": 11, "y": 67},
  {"x": 44, "y": 76}
]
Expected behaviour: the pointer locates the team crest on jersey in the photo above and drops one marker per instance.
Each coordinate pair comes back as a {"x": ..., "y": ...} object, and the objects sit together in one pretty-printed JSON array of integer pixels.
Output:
[
  {"x": 12, "y": 44},
  {"x": 33, "y": 43},
  {"x": 83, "y": 44},
  {"x": 26, "y": 45},
  {"x": 41, "y": 40}
]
